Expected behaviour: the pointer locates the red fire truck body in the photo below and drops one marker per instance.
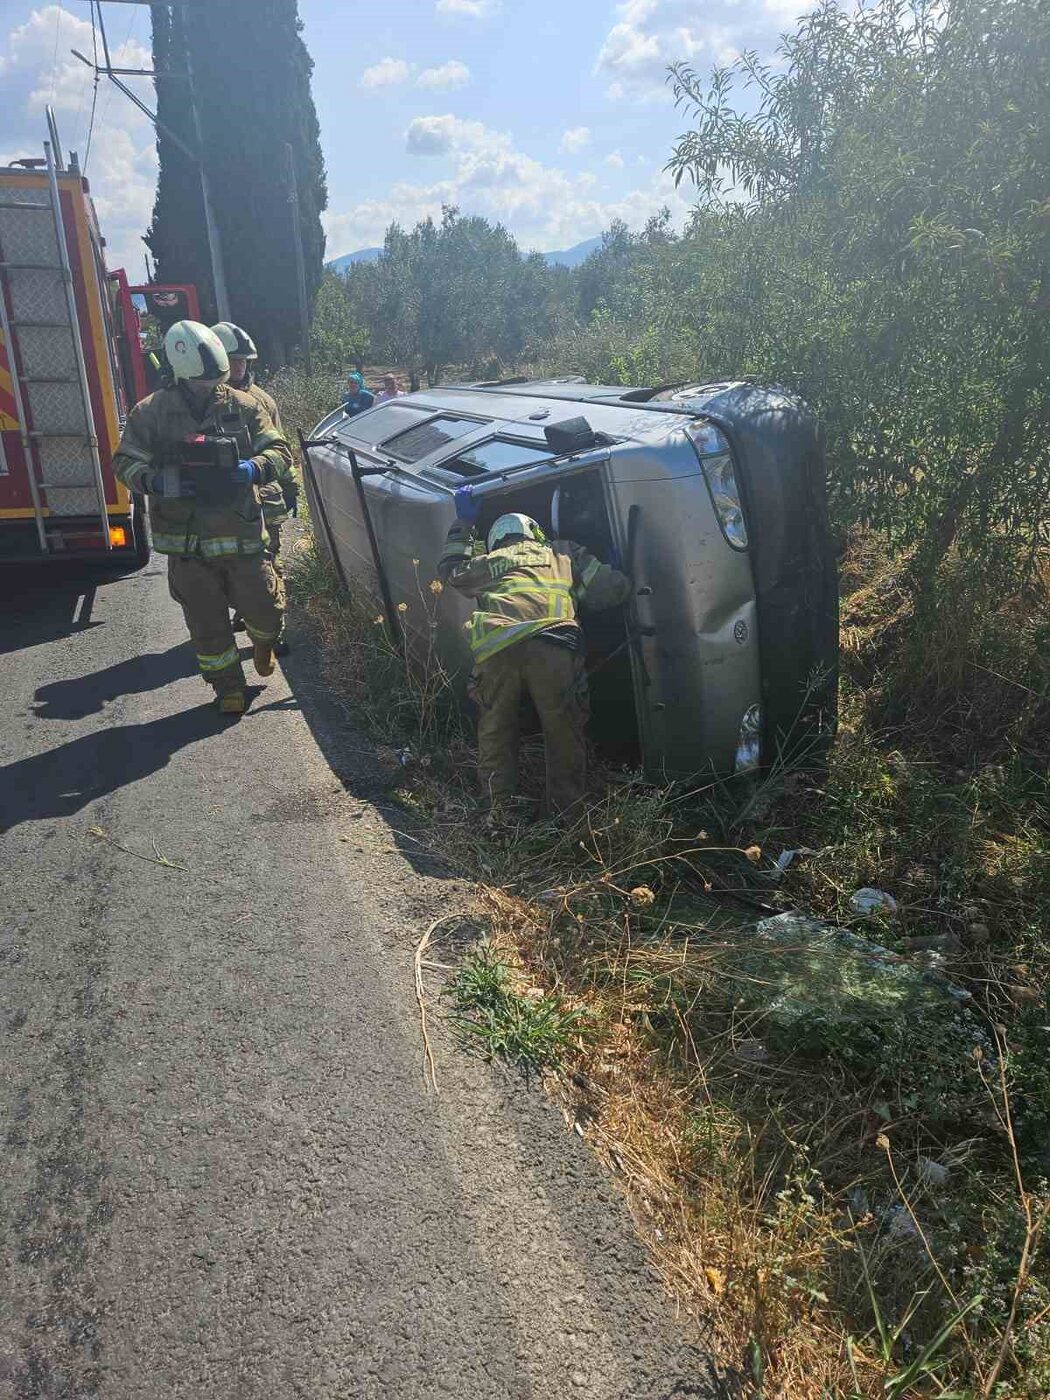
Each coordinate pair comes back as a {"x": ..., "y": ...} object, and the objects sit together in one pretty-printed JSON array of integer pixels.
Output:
[{"x": 71, "y": 364}]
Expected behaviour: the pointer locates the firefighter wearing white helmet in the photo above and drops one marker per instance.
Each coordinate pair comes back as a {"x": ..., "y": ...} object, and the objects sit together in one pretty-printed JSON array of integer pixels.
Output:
[
  {"x": 201, "y": 450},
  {"x": 279, "y": 498},
  {"x": 525, "y": 638}
]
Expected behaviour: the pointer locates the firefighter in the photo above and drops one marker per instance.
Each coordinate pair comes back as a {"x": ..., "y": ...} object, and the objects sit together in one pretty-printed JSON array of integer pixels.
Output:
[
  {"x": 524, "y": 636},
  {"x": 279, "y": 498},
  {"x": 200, "y": 450}
]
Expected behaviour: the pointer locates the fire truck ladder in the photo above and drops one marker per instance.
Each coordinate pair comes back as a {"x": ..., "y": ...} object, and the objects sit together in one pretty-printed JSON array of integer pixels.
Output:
[{"x": 38, "y": 317}]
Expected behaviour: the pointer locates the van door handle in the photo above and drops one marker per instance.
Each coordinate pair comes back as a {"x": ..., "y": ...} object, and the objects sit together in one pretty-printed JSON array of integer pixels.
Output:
[{"x": 644, "y": 592}]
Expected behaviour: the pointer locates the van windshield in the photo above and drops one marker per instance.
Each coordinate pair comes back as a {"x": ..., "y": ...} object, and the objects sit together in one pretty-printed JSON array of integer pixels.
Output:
[{"x": 497, "y": 454}]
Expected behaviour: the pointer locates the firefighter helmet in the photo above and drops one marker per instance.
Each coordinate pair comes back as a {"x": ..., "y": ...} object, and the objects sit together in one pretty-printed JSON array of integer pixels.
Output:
[
  {"x": 237, "y": 342},
  {"x": 512, "y": 525},
  {"x": 195, "y": 352}
]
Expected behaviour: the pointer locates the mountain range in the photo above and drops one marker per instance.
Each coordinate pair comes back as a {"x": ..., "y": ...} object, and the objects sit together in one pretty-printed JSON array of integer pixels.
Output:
[{"x": 563, "y": 257}]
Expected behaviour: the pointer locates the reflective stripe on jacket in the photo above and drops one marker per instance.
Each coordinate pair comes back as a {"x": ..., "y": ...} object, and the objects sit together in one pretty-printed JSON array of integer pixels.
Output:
[
  {"x": 157, "y": 427},
  {"x": 525, "y": 587}
]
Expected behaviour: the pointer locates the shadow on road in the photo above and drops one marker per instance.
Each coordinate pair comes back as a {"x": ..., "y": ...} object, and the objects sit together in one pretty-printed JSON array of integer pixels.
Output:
[
  {"x": 86, "y": 695},
  {"x": 41, "y": 604},
  {"x": 351, "y": 754},
  {"x": 65, "y": 779}
]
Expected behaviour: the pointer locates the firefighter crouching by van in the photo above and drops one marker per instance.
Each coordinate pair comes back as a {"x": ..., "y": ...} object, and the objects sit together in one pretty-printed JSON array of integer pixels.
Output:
[
  {"x": 524, "y": 636},
  {"x": 200, "y": 450},
  {"x": 279, "y": 498}
]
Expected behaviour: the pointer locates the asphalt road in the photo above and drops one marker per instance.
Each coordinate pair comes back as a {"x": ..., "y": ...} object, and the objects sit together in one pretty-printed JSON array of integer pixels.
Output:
[{"x": 223, "y": 1175}]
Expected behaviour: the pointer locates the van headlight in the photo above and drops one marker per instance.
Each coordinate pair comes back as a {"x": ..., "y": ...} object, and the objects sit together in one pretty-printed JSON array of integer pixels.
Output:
[
  {"x": 725, "y": 496},
  {"x": 749, "y": 741}
]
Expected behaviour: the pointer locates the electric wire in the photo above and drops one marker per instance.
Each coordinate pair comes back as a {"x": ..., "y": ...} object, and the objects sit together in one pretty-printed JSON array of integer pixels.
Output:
[
  {"x": 54, "y": 57},
  {"x": 94, "y": 90},
  {"x": 116, "y": 54}
]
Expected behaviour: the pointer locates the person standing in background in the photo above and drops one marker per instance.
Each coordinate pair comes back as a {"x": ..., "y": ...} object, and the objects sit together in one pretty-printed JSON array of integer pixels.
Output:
[
  {"x": 391, "y": 389},
  {"x": 357, "y": 397}
]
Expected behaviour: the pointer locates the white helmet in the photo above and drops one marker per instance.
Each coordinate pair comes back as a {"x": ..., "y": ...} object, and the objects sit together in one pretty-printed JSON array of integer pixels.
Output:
[
  {"x": 195, "y": 352},
  {"x": 237, "y": 341},
  {"x": 514, "y": 524}
]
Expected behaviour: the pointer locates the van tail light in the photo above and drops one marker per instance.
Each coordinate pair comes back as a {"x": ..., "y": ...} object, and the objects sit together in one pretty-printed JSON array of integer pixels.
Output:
[
  {"x": 716, "y": 462},
  {"x": 118, "y": 536}
]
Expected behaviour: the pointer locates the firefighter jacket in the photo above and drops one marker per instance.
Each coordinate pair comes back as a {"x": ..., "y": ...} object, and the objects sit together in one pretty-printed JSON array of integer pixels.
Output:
[
  {"x": 153, "y": 435},
  {"x": 525, "y": 587},
  {"x": 272, "y": 497}
]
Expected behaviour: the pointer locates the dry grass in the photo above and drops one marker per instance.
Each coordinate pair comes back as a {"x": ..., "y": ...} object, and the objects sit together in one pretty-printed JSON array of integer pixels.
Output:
[{"x": 789, "y": 1197}]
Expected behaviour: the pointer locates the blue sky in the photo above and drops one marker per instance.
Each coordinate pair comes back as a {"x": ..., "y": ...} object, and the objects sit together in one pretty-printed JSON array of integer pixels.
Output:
[{"x": 549, "y": 115}]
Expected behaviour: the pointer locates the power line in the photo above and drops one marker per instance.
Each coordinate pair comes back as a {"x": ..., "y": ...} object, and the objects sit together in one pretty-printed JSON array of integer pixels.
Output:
[
  {"x": 54, "y": 56},
  {"x": 94, "y": 90},
  {"x": 127, "y": 40}
]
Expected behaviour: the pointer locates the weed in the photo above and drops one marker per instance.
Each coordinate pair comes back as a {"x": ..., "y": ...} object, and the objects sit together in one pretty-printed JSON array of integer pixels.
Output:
[{"x": 493, "y": 1019}]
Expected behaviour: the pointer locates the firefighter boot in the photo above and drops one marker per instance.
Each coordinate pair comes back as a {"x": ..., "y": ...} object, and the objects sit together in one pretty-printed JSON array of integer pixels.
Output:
[
  {"x": 233, "y": 702},
  {"x": 263, "y": 658}
]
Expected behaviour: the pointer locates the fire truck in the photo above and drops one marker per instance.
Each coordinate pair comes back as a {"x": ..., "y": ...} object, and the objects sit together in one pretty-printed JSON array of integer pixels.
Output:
[{"x": 73, "y": 359}]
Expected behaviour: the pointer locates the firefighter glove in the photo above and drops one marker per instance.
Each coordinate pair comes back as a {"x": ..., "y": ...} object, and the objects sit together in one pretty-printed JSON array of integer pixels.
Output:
[
  {"x": 467, "y": 508},
  {"x": 290, "y": 491},
  {"x": 246, "y": 473}
]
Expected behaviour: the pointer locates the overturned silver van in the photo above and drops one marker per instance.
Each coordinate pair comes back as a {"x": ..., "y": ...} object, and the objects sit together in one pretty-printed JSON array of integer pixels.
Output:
[{"x": 711, "y": 497}]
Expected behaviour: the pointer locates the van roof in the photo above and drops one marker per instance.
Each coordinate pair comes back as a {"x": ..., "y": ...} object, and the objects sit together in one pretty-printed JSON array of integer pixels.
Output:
[{"x": 523, "y": 408}]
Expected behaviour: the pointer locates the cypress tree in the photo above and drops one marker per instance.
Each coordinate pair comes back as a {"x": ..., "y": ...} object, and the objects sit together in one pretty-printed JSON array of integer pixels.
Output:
[{"x": 251, "y": 80}]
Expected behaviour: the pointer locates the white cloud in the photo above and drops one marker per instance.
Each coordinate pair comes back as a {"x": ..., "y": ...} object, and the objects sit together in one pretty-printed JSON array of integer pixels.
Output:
[
  {"x": 470, "y": 9},
  {"x": 388, "y": 72},
  {"x": 435, "y": 136},
  {"x": 36, "y": 68},
  {"x": 614, "y": 160},
  {"x": 575, "y": 139},
  {"x": 543, "y": 206},
  {"x": 649, "y": 35},
  {"x": 452, "y": 74}
]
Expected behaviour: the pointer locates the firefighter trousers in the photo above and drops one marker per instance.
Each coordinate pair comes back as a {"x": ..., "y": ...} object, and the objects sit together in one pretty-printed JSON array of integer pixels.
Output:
[
  {"x": 206, "y": 589},
  {"x": 556, "y": 680}
]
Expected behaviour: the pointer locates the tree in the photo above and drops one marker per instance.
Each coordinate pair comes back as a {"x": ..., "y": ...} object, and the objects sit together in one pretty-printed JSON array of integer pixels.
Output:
[
  {"x": 458, "y": 292},
  {"x": 251, "y": 81},
  {"x": 338, "y": 338},
  {"x": 874, "y": 228}
]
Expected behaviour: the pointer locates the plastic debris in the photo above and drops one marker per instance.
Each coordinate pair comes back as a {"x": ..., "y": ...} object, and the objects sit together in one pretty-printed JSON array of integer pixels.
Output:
[
  {"x": 931, "y": 1173},
  {"x": 871, "y": 901}
]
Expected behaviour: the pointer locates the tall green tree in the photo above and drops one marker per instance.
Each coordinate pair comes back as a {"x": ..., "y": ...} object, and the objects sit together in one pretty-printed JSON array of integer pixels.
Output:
[
  {"x": 875, "y": 228},
  {"x": 251, "y": 85},
  {"x": 458, "y": 292}
]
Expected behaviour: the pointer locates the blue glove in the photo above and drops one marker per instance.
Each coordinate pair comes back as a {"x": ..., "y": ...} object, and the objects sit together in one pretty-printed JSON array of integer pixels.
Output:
[
  {"x": 467, "y": 508},
  {"x": 246, "y": 473}
]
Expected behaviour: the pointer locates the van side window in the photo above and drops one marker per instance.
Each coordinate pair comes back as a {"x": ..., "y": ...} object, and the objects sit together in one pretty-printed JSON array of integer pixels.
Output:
[
  {"x": 419, "y": 442},
  {"x": 497, "y": 454}
]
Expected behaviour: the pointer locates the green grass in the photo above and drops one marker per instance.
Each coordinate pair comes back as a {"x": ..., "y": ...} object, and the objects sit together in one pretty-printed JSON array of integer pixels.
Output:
[{"x": 493, "y": 1018}]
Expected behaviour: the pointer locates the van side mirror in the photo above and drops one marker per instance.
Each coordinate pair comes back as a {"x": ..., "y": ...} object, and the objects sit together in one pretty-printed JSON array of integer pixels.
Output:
[{"x": 570, "y": 435}]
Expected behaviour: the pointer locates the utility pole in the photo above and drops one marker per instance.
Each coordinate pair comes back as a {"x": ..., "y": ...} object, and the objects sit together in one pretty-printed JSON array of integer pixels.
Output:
[
  {"x": 300, "y": 261},
  {"x": 116, "y": 75}
]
